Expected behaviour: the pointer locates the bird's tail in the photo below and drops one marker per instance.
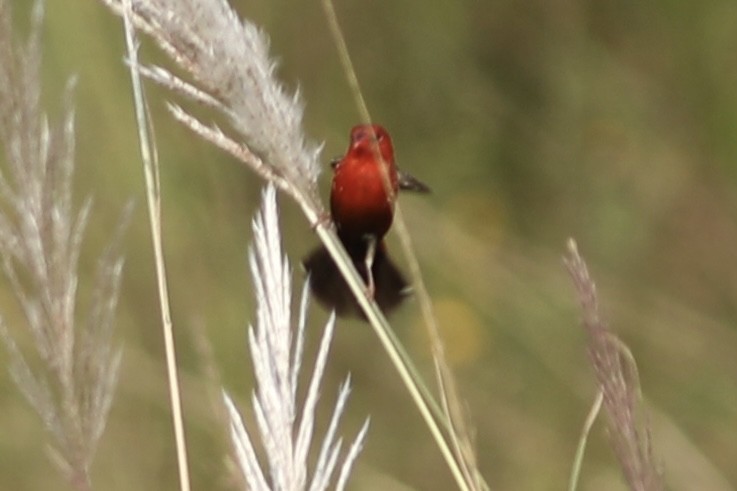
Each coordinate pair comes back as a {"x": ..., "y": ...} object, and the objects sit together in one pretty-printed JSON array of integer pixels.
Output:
[{"x": 330, "y": 289}]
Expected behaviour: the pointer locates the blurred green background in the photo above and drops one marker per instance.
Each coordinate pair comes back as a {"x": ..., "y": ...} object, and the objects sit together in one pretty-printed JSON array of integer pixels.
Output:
[{"x": 611, "y": 122}]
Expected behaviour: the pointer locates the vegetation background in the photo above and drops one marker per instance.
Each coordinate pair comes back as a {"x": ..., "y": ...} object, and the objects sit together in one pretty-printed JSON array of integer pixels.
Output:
[{"x": 612, "y": 122}]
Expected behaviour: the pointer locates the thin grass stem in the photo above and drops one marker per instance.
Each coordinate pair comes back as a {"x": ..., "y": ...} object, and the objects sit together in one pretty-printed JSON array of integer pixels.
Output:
[
  {"x": 150, "y": 161},
  {"x": 581, "y": 448}
]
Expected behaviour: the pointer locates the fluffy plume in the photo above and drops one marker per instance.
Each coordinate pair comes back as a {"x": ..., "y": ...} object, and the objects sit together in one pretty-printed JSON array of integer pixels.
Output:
[
  {"x": 277, "y": 359},
  {"x": 229, "y": 60},
  {"x": 41, "y": 233}
]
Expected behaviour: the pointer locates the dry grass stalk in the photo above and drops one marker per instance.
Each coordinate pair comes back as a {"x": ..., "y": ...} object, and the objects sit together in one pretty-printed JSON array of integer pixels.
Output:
[
  {"x": 150, "y": 161},
  {"x": 41, "y": 232},
  {"x": 616, "y": 375}
]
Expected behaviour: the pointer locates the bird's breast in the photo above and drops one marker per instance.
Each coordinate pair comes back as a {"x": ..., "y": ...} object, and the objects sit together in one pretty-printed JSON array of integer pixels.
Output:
[{"x": 360, "y": 202}]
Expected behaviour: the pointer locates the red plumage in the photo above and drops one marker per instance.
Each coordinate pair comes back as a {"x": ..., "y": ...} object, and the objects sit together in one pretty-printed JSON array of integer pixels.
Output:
[{"x": 362, "y": 197}]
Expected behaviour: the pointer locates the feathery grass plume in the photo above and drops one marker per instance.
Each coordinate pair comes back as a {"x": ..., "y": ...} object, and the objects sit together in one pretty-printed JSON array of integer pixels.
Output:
[
  {"x": 277, "y": 353},
  {"x": 40, "y": 239},
  {"x": 229, "y": 60},
  {"x": 616, "y": 375}
]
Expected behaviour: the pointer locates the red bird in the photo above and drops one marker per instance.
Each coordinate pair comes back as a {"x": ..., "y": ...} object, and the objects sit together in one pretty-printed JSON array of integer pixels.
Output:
[{"x": 362, "y": 198}]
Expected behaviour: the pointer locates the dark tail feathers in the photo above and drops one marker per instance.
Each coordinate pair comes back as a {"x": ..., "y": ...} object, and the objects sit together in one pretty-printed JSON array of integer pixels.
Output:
[{"x": 330, "y": 289}]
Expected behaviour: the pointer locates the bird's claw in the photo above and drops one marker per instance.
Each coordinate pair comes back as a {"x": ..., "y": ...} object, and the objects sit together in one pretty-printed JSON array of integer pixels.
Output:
[
  {"x": 371, "y": 288},
  {"x": 369, "y": 263}
]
